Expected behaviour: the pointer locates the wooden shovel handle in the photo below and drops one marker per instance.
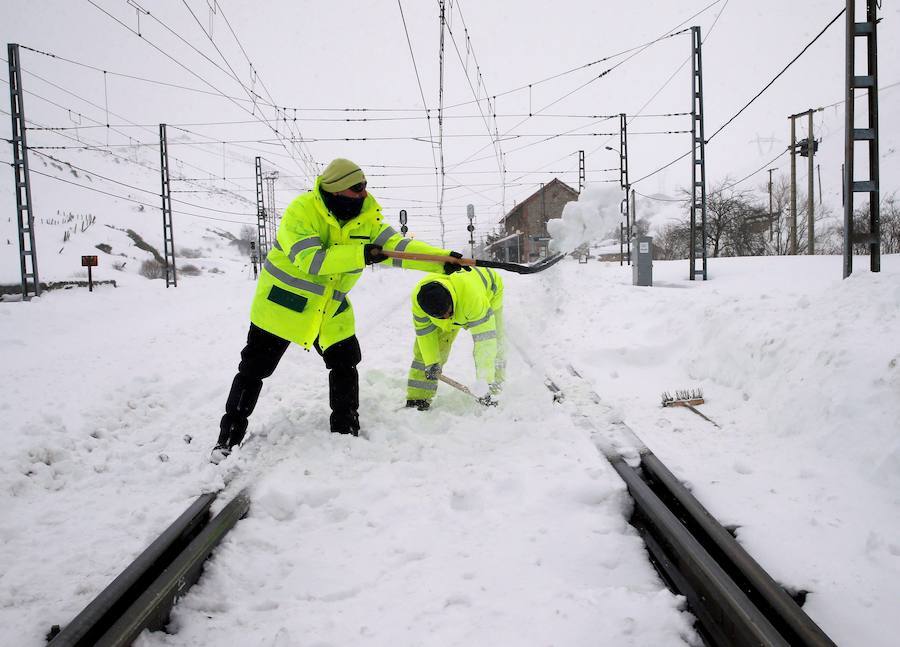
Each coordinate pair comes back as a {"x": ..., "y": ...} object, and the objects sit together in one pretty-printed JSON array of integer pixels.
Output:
[
  {"x": 435, "y": 258},
  {"x": 456, "y": 385}
]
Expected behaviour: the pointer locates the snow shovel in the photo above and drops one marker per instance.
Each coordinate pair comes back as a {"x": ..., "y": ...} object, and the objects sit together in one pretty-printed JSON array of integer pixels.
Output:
[
  {"x": 462, "y": 387},
  {"x": 518, "y": 268}
]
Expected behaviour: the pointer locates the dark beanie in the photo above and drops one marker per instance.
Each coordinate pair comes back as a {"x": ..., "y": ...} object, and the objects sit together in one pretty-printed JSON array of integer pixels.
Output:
[{"x": 434, "y": 299}]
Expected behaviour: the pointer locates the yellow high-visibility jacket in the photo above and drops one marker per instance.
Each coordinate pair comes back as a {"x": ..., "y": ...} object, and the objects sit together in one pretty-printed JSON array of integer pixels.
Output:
[
  {"x": 477, "y": 306},
  {"x": 314, "y": 262}
]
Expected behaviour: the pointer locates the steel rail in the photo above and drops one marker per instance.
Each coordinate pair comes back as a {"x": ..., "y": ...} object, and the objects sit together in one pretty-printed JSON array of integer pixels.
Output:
[
  {"x": 737, "y": 603},
  {"x": 85, "y": 628},
  {"x": 143, "y": 595}
]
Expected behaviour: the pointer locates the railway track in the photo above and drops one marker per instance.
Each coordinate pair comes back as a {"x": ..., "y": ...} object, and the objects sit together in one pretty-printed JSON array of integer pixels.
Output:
[
  {"x": 736, "y": 603},
  {"x": 142, "y": 596}
]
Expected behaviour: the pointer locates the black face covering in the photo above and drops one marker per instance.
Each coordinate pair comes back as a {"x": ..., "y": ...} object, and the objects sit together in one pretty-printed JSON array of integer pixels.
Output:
[{"x": 341, "y": 206}]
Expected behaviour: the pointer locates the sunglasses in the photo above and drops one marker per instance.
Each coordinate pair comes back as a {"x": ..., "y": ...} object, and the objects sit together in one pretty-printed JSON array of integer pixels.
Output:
[{"x": 358, "y": 188}]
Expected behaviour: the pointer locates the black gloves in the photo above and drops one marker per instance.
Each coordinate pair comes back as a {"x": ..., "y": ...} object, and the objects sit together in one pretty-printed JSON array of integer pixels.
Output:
[
  {"x": 450, "y": 268},
  {"x": 433, "y": 372},
  {"x": 488, "y": 400},
  {"x": 373, "y": 254}
]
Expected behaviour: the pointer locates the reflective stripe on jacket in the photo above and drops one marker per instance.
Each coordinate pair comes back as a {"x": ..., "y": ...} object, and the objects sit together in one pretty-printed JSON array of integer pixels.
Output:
[
  {"x": 314, "y": 262},
  {"x": 477, "y": 305}
]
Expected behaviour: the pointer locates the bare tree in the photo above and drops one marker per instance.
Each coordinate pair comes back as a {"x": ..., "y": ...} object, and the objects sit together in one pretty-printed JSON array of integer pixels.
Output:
[
  {"x": 889, "y": 224},
  {"x": 672, "y": 241}
]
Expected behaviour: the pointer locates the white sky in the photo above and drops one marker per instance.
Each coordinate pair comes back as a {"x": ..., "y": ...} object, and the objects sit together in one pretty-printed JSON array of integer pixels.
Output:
[{"x": 340, "y": 55}]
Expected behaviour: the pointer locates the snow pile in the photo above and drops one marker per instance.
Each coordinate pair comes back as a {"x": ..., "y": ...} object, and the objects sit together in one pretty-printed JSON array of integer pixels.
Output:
[
  {"x": 595, "y": 213},
  {"x": 458, "y": 525}
]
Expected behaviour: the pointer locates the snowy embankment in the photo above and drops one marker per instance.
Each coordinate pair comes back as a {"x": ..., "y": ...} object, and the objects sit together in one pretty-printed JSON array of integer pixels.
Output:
[{"x": 459, "y": 525}]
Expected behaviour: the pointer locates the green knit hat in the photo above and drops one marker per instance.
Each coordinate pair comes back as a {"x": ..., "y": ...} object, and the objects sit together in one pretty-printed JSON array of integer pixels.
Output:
[{"x": 339, "y": 175}]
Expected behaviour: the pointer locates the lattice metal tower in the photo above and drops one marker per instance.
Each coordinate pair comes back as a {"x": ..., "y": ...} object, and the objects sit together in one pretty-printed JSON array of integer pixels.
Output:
[
  {"x": 31, "y": 284},
  {"x": 869, "y": 134},
  {"x": 698, "y": 167},
  {"x": 271, "y": 176},
  {"x": 581, "y": 172},
  {"x": 168, "y": 233},
  {"x": 623, "y": 181},
  {"x": 262, "y": 238}
]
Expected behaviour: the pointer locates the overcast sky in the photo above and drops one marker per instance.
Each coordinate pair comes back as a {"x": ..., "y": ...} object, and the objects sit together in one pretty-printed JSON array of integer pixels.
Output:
[{"x": 319, "y": 59}]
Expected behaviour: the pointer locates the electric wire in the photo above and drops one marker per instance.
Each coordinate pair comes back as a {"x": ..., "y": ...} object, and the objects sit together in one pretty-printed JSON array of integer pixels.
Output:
[
  {"x": 758, "y": 94},
  {"x": 777, "y": 76},
  {"x": 97, "y": 123},
  {"x": 127, "y": 199},
  {"x": 424, "y": 102},
  {"x": 494, "y": 136},
  {"x": 294, "y": 136},
  {"x": 669, "y": 34},
  {"x": 197, "y": 75}
]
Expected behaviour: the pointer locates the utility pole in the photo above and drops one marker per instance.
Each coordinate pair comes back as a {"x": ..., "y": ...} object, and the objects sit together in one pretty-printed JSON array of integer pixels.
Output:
[
  {"x": 633, "y": 208},
  {"x": 262, "y": 240},
  {"x": 770, "y": 203},
  {"x": 792, "y": 236},
  {"x": 698, "y": 167},
  {"x": 807, "y": 149},
  {"x": 852, "y": 134},
  {"x": 819, "y": 173},
  {"x": 168, "y": 233},
  {"x": 470, "y": 211},
  {"x": 271, "y": 176},
  {"x": 810, "y": 188},
  {"x": 623, "y": 179},
  {"x": 31, "y": 284},
  {"x": 581, "y": 172}
]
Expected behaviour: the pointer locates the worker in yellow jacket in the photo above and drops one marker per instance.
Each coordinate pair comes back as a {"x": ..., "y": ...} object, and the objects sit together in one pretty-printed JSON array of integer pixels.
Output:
[
  {"x": 441, "y": 307},
  {"x": 325, "y": 239}
]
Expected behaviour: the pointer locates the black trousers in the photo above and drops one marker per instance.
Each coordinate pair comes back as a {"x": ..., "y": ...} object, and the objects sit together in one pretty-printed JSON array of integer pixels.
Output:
[{"x": 259, "y": 359}]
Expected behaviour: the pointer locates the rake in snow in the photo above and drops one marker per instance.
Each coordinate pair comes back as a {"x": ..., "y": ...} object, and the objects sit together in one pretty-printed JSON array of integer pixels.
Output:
[{"x": 688, "y": 399}]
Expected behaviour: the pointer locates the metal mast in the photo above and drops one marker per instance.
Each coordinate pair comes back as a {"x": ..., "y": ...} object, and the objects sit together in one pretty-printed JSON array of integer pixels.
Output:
[
  {"x": 168, "y": 234},
  {"x": 262, "y": 239},
  {"x": 31, "y": 284},
  {"x": 271, "y": 176},
  {"x": 852, "y": 134},
  {"x": 581, "y": 173},
  {"x": 623, "y": 181},
  {"x": 698, "y": 167}
]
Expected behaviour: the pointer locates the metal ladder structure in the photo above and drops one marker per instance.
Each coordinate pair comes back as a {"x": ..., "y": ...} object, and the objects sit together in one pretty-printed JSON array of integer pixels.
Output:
[
  {"x": 623, "y": 181},
  {"x": 698, "y": 167},
  {"x": 31, "y": 284},
  {"x": 869, "y": 134},
  {"x": 581, "y": 172},
  {"x": 168, "y": 234},
  {"x": 271, "y": 176},
  {"x": 261, "y": 233}
]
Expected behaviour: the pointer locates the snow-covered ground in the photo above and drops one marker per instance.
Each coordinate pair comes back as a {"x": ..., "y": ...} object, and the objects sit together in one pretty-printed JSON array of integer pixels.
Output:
[{"x": 459, "y": 526}]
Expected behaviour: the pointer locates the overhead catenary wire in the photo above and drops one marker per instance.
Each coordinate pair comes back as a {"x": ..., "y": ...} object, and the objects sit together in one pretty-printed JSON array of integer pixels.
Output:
[
  {"x": 578, "y": 68},
  {"x": 637, "y": 50},
  {"x": 127, "y": 199},
  {"x": 92, "y": 173},
  {"x": 437, "y": 179},
  {"x": 495, "y": 135},
  {"x": 105, "y": 149},
  {"x": 665, "y": 83},
  {"x": 777, "y": 76},
  {"x": 295, "y": 136},
  {"x": 308, "y": 169},
  {"x": 99, "y": 124},
  {"x": 755, "y": 97}
]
